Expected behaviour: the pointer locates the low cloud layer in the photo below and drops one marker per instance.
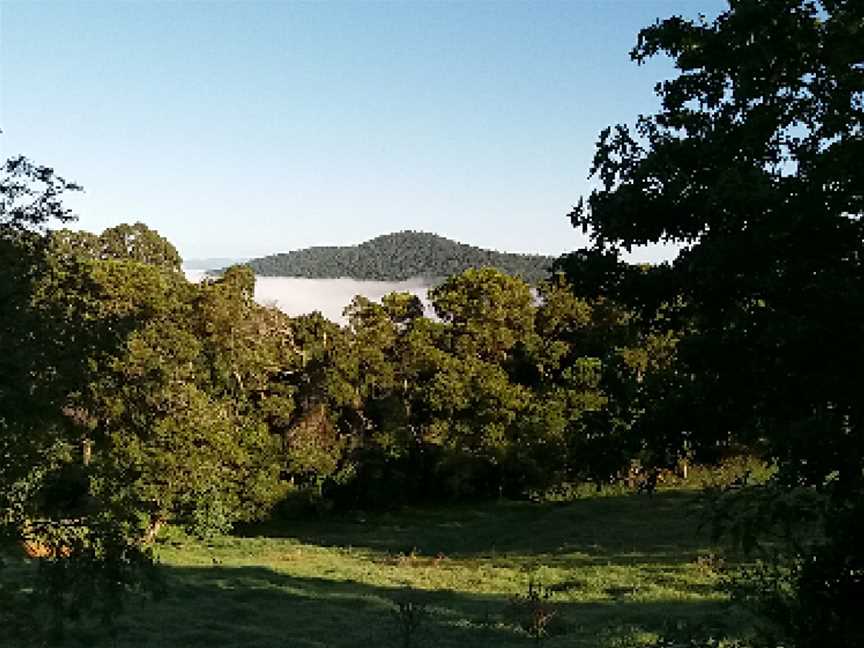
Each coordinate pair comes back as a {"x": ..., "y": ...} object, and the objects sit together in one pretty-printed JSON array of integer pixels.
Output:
[{"x": 298, "y": 296}]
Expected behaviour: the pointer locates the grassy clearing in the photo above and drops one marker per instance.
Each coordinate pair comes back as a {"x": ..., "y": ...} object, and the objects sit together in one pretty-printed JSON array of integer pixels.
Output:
[{"x": 618, "y": 570}]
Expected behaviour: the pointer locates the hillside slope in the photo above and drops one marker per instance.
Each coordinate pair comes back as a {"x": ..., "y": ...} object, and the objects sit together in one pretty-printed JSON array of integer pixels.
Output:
[{"x": 397, "y": 257}]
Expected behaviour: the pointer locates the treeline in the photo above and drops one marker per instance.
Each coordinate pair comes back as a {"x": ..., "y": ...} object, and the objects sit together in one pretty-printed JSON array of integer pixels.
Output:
[
  {"x": 397, "y": 257},
  {"x": 132, "y": 399},
  {"x": 190, "y": 403}
]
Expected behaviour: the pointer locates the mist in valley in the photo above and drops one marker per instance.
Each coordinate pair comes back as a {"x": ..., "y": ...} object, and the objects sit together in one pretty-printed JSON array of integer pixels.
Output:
[{"x": 299, "y": 295}]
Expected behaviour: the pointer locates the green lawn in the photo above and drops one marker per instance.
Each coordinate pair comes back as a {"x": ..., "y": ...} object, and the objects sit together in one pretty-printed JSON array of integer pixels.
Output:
[{"x": 618, "y": 570}]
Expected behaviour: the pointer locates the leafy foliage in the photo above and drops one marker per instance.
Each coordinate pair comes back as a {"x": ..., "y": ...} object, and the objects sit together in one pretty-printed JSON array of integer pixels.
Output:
[
  {"x": 132, "y": 399},
  {"x": 128, "y": 242},
  {"x": 31, "y": 196},
  {"x": 751, "y": 165}
]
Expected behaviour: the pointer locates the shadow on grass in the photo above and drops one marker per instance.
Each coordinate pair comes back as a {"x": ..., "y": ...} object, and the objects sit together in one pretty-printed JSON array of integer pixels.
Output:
[
  {"x": 622, "y": 530},
  {"x": 255, "y": 607}
]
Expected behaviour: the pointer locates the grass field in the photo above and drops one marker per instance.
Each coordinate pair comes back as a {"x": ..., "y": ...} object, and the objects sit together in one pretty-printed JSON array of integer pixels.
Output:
[{"x": 617, "y": 572}]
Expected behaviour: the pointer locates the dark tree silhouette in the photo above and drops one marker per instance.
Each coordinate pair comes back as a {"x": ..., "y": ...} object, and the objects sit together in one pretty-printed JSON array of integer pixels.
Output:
[{"x": 753, "y": 164}]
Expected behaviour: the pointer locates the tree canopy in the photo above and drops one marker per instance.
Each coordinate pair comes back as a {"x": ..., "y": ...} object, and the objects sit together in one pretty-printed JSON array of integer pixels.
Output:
[{"x": 752, "y": 165}]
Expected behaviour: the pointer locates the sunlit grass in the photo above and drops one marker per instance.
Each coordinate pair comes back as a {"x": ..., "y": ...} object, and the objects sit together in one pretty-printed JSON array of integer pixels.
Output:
[{"x": 618, "y": 571}]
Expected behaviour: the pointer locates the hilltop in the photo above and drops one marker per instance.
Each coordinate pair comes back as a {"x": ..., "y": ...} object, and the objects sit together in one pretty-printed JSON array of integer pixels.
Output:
[{"x": 397, "y": 257}]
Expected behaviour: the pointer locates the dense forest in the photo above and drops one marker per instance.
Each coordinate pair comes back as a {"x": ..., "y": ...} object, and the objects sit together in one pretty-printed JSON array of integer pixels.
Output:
[
  {"x": 397, "y": 257},
  {"x": 132, "y": 399}
]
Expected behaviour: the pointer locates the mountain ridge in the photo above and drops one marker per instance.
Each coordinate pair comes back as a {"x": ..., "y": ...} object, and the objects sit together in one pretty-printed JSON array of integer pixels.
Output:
[{"x": 398, "y": 256}]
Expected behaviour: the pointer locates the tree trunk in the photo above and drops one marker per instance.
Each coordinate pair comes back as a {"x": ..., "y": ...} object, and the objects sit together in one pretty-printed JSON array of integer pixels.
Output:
[
  {"x": 152, "y": 531},
  {"x": 86, "y": 450}
]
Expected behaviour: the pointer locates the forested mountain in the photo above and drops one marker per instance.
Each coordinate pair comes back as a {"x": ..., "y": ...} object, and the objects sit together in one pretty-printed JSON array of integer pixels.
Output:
[{"x": 399, "y": 256}]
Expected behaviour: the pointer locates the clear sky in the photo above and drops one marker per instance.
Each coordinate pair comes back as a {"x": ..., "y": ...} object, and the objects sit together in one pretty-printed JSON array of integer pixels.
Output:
[{"x": 245, "y": 128}]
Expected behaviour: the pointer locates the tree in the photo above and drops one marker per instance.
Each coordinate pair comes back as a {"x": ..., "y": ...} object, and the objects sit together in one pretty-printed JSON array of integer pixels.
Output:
[
  {"x": 91, "y": 563},
  {"x": 489, "y": 312},
  {"x": 31, "y": 392},
  {"x": 130, "y": 242},
  {"x": 31, "y": 197},
  {"x": 323, "y": 381},
  {"x": 752, "y": 164},
  {"x": 179, "y": 396}
]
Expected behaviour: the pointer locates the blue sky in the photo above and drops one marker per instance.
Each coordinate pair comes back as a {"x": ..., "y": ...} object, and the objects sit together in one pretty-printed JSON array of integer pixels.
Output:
[{"x": 240, "y": 129}]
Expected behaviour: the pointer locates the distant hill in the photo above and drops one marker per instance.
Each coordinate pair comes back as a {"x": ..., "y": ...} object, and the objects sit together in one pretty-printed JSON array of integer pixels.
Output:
[{"x": 397, "y": 257}]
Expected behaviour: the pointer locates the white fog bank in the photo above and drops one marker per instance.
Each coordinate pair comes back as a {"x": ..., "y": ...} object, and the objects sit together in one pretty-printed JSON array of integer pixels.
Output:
[{"x": 299, "y": 296}]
